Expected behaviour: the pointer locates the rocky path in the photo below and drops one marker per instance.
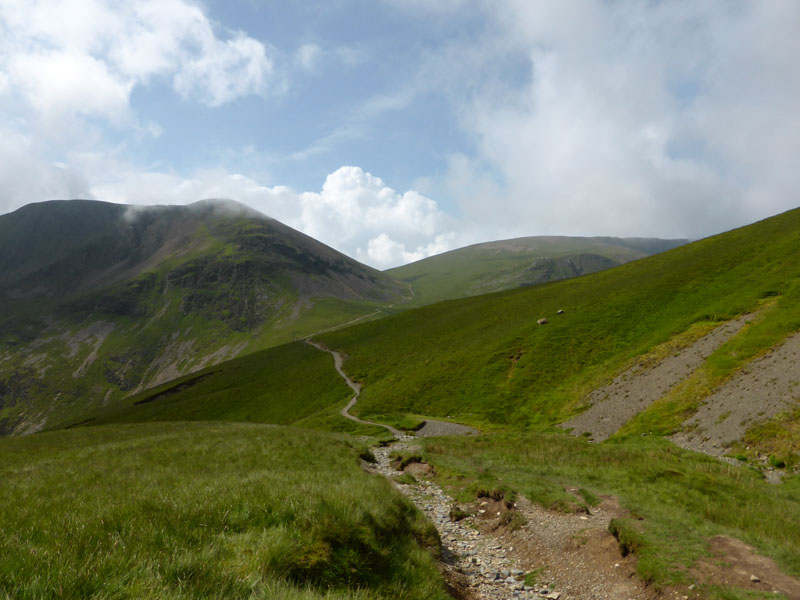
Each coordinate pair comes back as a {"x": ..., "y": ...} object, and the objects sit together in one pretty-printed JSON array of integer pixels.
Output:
[
  {"x": 477, "y": 566},
  {"x": 338, "y": 361},
  {"x": 571, "y": 556}
]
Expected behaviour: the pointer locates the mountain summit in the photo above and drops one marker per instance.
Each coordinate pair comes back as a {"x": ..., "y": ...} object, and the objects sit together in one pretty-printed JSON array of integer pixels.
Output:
[{"x": 98, "y": 299}]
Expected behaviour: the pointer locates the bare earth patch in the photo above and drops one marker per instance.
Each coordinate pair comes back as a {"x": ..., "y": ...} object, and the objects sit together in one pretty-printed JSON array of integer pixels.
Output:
[
  {"x": 734, "y": 563},
  {"x": 634, "y": 390},
  {"x": 762, "y": 389},
  {"x": 576, "y": 553}
]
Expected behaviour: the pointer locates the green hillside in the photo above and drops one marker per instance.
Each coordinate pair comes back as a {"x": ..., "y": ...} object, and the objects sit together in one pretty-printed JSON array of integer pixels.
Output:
[
  {"x": 485, "y": 360},
  {"x": 99, "y": 300},
  {"x": 205, "y": 510},
  {"x": 507, "y": 264},
  {"x": 289, "y": 384}
]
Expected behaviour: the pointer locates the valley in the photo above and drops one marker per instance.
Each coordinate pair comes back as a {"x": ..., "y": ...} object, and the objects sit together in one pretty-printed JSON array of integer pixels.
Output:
[{"x": 583, "y": 432}]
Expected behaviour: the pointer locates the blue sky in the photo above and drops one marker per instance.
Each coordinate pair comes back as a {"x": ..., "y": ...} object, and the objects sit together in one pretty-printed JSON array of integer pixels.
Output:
[{"x": 395, "y": 129}]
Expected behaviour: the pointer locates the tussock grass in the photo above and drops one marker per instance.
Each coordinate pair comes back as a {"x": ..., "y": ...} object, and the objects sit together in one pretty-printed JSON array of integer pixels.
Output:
[
  {"x": 200, "y": 510},
  {"x": 677, "y": 498}
]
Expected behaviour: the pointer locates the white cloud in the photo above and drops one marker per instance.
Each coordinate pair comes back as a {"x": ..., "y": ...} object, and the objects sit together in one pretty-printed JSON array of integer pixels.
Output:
[
  {"x": 666, "y": 118},
  {"x": 25, "y": 177},
  {"x": 84, "y": 57},
  {"x": 62, "y": 84},
  {"x": 354, "y": 212}
]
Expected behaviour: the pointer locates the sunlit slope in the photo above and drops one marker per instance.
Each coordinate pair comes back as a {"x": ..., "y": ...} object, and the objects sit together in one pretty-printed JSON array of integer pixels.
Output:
[
  {"x": 506, "y": 264},
  {"x": 485, "y": 359},
  {"x": 290, "y": 384},
  {"x": 205, "y": 510}
]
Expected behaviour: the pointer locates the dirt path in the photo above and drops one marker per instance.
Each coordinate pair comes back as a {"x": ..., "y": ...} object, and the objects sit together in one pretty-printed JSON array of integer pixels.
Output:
[
  {"x": 338, "y": 361},
  {"x": 574, "y": 556},
  {"x": 634, "y": 390}
]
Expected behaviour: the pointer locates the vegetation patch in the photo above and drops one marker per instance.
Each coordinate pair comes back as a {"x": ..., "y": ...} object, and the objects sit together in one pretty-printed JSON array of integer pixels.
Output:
[
  {"x": 282, "y": 385},
  {"x": 198, "y": 510},
  {"x": 679, "y": 499}
]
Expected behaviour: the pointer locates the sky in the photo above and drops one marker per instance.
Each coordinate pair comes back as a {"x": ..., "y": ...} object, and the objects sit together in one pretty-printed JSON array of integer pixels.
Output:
[{"x": 397, "y": 129}]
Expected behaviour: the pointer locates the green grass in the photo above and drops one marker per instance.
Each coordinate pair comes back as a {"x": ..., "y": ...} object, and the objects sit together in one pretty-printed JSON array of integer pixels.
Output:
[
  {"x": 283, "y": 385},
  {"x": 204, "y": 510},
  {"x": 485, "y": 360},
  {"x": 677, "y": 499}
]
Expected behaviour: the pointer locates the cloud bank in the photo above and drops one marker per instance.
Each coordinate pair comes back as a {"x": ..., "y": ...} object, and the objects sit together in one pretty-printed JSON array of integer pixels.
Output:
[{"x": 637, "y": 118}]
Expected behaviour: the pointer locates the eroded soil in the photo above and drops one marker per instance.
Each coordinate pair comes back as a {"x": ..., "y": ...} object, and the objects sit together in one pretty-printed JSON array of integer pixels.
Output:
[
  {"x": 633, "y": 391},
  {"x": 762, "y": 389}
]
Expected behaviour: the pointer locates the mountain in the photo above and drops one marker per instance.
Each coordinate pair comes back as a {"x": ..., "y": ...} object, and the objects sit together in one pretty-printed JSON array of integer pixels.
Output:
[
  {"x": 485, "y": 361},
  {"x": 99, "y": 299},
  {"x": 502, "y": 265}
]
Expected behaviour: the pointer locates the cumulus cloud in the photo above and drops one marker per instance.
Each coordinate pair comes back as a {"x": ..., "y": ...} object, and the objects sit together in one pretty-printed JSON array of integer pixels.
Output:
[
  {"x": 354, "y": 212},
  {"x": 84, "y": 57}
]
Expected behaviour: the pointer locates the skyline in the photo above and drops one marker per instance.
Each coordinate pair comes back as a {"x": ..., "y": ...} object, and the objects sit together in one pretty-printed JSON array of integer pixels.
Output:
[{"x": 395, "y": 130}]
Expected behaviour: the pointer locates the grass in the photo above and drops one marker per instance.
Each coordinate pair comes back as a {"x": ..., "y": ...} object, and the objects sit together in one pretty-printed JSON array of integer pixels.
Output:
[
  {"x": 283, "y": 385},
  {"x": 485, "y": 360},
  {"x": 676, "y": 499},
  {"x": 205, "y": 510}
]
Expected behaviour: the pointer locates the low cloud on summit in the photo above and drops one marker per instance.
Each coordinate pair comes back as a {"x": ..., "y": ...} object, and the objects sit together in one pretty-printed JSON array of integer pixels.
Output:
[{"x": 490, "y": 120}]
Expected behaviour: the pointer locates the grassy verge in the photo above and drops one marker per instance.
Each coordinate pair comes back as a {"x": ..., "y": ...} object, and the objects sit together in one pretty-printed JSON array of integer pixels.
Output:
[
  {"x": 682, "y": 498},
  {"x": 204, "y": 510}
]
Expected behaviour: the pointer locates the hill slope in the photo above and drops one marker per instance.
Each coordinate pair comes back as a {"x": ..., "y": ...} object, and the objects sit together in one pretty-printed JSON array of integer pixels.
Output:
[
  {"x": 98, "y": 299},
  {"x": 501, "y": 265},
  {"x": 205, "y": 510},
  {"x": 484, "y": 360}
]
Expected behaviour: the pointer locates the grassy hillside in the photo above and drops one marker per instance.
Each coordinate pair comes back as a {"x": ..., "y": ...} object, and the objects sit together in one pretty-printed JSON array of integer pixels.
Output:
[
  {"x": 485, "y": 359},
  {"x": 507, "y": 264},
  {"x": 174, "y": 511},
  {"x": 290, "y": 384}
]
